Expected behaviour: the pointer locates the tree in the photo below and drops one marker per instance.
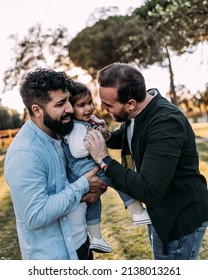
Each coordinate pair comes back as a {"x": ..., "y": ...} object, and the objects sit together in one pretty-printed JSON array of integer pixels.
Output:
[
  {"x": 9, "y": 119},
  {"x": 101, "y": 13},
  {"x": 175, "y": 25},
  {"x": 183, "y": 98},
  {"x": 38, "y": 48},
  {"x": 200, "y": 99},
  {"x": 150, "y": 35},
  {"x": 94, "y": 47}
]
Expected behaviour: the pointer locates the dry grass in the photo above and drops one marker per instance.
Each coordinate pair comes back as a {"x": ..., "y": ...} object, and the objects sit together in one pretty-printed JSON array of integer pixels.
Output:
[
  {"x": 201, "y": 130},
  {"x": 128, "y": 242}
]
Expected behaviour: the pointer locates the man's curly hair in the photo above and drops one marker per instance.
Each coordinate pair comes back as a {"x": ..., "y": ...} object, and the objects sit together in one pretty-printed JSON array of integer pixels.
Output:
[{"x": 38, "y": 84}]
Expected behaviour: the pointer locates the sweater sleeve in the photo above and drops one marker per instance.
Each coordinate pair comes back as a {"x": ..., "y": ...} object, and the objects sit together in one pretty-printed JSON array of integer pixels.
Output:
[{"x": 163, "y": 145}]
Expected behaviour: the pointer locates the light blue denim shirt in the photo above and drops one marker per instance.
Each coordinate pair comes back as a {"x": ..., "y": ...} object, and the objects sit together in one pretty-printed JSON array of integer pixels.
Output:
[{"x": 41, "y": 199}]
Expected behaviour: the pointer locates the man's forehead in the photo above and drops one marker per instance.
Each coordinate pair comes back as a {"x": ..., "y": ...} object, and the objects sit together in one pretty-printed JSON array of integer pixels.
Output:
[
  {"x": 68, "y": 93},
  {"x": 59, "y": 95},
  {"x": 108, "y": 94}
]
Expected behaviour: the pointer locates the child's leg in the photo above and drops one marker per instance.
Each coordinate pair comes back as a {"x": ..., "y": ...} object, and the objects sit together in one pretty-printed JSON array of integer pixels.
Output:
[
  {"x": 139, "y": 214},
  {"x": 136, "y": 207},
  {"x": 93, "y": 212},
  {"x": 93, "y": 217},
  {"x": 133, "y": 205}
]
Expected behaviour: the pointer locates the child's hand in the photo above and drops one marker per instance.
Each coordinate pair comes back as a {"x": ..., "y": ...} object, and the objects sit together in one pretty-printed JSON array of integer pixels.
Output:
[
  {"x": 95, "y": 120},
  {"x": 100, "y": 124}
]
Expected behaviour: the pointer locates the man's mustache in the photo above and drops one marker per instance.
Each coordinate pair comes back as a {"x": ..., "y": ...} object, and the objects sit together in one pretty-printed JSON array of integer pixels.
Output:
[{"x": 66, "y": 116}]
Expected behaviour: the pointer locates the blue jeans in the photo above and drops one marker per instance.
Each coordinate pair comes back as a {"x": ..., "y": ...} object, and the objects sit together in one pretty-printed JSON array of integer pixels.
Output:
[
  {"x": 93, "y": 215},
  {"x": 185, "y": 248},
  {"x": 78, "y": 167}
]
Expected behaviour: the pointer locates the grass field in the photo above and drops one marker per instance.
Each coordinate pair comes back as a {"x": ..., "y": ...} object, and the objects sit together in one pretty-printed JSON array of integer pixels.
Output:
[{"x": 128, "y": 242}]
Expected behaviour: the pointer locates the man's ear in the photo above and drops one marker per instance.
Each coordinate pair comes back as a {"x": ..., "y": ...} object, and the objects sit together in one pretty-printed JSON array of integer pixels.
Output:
[
  {"x": 37, "y": 110},
  {"x": 132, "y": 104}
]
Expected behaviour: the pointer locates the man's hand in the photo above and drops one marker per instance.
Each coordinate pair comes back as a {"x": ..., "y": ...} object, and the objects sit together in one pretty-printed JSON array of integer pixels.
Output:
[
  {"x": 91, "y": 197},
  {"x": 95, "y": 144},
  {"x": 101, "y": 126},
  {"x": 97, "y": 186}
]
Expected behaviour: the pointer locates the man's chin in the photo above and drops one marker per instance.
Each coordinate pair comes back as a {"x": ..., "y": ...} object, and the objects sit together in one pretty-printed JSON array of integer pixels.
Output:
[
  {"x": 121, "y": 119},
  {"x": 117, "y": 119},
  {"x": 64, "y": 129}
]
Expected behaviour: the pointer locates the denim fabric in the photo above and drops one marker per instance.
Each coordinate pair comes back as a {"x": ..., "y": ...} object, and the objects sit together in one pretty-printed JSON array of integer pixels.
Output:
[
  {"x": 127, "y": 200},
  {"x": 78, "y": 167},
  {"x": 93, "y": 216},
  {"x": 40, "y": 196},
  {"x": 185, "y": 248},
  {"x": 83, "y": 165}
]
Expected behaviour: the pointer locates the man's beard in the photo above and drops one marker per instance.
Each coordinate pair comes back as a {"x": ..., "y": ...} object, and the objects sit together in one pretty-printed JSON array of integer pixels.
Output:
[
  {"x": 121, "y": 119},
  {"x": 57, "y": 126}
]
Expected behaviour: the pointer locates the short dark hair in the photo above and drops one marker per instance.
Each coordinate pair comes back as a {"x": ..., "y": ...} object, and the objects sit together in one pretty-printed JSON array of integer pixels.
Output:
[
  {"x": 78, "y": 91},
  {"x": 129, "y": 81},
  {"x": 38, "y": 84}
]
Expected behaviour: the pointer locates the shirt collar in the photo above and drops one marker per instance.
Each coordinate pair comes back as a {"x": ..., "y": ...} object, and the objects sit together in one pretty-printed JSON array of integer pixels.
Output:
[{"x": 40, "y": 132}]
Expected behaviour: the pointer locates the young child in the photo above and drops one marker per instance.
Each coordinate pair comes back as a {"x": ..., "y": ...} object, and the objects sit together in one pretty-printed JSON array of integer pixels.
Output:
[{"x": 80, "y": 162}]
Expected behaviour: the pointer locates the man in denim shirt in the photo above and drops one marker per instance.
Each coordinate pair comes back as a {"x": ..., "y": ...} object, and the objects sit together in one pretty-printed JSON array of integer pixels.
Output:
[{"x": 36, "y": 174}]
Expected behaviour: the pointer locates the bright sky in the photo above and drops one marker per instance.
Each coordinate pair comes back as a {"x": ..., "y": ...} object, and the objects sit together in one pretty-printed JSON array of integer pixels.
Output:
[{"x": 17, "y": 16}]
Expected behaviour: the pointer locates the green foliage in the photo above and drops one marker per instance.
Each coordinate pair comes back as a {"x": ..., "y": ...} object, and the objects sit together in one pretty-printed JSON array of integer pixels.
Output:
[
  {"x": 149, "y": 35},
  {"x": 177, "y": 23},
  {"x": 9, "y": 118},
  {"x": 144, "y": 36},
  {"x": 95, "y": 47}
]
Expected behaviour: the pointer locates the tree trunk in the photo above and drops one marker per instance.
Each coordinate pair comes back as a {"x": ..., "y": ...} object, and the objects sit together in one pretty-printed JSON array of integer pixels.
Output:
[{"x": 172, "y": 91}]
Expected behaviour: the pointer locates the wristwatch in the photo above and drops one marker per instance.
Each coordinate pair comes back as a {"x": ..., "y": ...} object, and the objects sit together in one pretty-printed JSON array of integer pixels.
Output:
[{"x": 105, "y": 162}]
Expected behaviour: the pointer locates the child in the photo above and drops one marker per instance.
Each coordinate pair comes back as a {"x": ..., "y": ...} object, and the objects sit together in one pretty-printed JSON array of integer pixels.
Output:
[{"x": 80, "y": 162}]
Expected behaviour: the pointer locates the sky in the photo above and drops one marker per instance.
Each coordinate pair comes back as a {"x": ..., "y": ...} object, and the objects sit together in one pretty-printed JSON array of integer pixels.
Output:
[{"x": 17, "y": 16}]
